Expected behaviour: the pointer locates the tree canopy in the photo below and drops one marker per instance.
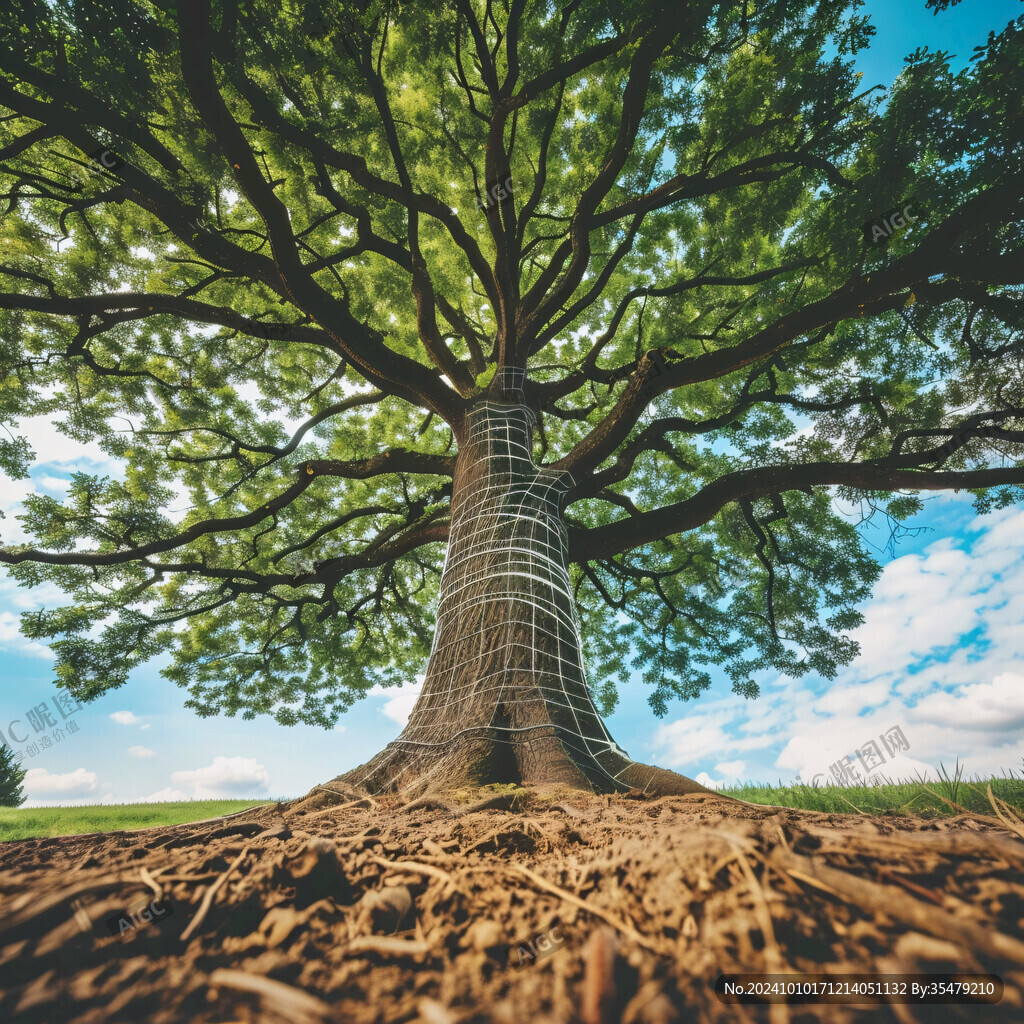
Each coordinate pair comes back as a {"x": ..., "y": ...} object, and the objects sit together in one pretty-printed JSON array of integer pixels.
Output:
[{"x": 740, "y": 284}]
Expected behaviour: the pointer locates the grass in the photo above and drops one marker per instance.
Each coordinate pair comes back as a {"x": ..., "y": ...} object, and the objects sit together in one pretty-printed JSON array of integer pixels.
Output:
[
  {"x": 35, "y": 822},
  {"x": 928, "y": 799}
]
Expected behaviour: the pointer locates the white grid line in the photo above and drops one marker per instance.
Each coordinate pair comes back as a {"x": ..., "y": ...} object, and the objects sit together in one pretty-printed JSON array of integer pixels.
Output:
[{"x": 506, "y": 527}]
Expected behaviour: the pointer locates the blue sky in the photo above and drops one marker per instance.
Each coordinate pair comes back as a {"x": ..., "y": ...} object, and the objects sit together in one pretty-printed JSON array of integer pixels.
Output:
[{"x": 940, "y": 654}]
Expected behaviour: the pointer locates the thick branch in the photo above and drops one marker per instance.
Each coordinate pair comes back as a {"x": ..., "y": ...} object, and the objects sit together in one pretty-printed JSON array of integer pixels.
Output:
[
  {"x": 747, "y": 484},
  {"x": 396, "y": 461},
  {"x": 872, "y": 295},
  {"x": 375, "y": 360}
]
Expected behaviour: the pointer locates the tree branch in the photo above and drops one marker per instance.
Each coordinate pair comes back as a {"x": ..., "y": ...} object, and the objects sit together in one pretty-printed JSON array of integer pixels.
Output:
[
  {"x": 377, "y": 363},
  {"x": 876, "y": 293},
  {"x": 390, "y": 461},
  {"x": 747, "y": 484}
]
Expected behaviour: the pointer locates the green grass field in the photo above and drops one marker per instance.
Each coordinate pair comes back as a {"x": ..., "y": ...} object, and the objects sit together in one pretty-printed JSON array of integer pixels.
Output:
[
  {"x": 33, "y": 822},
  {"x": 926, "y": 799}
]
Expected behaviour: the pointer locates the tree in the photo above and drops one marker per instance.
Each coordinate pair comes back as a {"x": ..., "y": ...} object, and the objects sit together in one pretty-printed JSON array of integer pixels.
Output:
[
  {"x": 609, "y": 301},
  {"x": 11, "y": 777}
]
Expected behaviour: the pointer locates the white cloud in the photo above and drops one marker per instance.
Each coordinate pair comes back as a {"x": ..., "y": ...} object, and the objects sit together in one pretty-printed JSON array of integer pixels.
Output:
[
  {"x": 705, "y": 780},
  {"x": 695, "y": 739},
  {"x": 39, "y": 783},
  {"x": 732, "y": 770},
  {"x": 51, "y": 483},
  {"x": 226, "y": 777},
  {"x": 999, "y": 533},
  {"x": 996, "y": 706},
  {"x": 920, "y": 603},
  {"x": 57, "y": 452},
  {"x": 400, "y": 700},
  {"x": 12, "y": 640},
  {"x": 146, "y": 726},
  {"x": 166, "y": 795},
  {"x": 53, "y": 448},
  {"x": 141, "y": 752},
  {"x": 30, "y": 598},
  {"x": 719, "y": 728},
  {"x": 125, "y": 717},
  {"x": 940, "y": 657},
  {"x": 15, "y": 599},
  {"x": 12, "y": 494}
]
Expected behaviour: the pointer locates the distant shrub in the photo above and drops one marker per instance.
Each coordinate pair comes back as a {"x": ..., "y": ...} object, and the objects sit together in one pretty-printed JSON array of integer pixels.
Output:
[{"x": 11, "y": 777}]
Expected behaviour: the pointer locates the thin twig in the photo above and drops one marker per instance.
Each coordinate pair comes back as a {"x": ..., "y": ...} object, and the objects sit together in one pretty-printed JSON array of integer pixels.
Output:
[
  {"x": 811, "y": 880},
  {"x": 152, "y": 883},
  {"x": 32, "y": 905},
  {"x": 387, "y": 945},
  {"x": 417, "y": 867},
  {"x": 347, "y": 796},
  {"x": 845, "y": 801},
  {"x": 189, "y": 878},
  {"x": 939, "y": 899},
  {"x": 426, "y": 803},
  {"x": 881, "y": 899},
  {"x": 955, "y": 806},
  {"x": 611, "y": 919},
  {"x": 208, "y": 897},
  {"x": 1006, "y": 814},
  {"x": 363, "y": 801},
  {"x": 778, "y": 1013},
  {"x": 291, "y": 1003}
]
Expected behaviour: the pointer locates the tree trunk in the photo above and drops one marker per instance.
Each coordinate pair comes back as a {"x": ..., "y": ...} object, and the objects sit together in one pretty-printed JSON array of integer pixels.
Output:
[{"x": 505, "y": 698}]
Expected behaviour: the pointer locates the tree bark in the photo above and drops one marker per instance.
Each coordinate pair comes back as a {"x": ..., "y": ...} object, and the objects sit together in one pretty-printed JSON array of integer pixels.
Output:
[{"x": 505, "y": 697}]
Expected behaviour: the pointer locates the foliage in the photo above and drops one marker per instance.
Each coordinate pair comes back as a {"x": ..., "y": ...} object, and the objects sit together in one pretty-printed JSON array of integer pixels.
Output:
[
  {"x": 11, "y": 777},
  {"x": 255, "y": 252}
]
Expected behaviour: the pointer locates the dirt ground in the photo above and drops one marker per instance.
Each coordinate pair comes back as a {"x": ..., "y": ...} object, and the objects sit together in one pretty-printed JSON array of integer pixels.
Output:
[{"x": 535, "y": 908}]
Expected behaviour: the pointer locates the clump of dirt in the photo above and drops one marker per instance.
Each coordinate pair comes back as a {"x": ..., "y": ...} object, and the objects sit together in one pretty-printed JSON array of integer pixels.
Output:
[{"x": 546, "y": 908}]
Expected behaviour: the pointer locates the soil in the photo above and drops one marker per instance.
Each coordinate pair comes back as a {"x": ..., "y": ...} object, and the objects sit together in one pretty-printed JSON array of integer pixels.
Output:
[{"x": 510, "y": 908}]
